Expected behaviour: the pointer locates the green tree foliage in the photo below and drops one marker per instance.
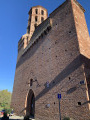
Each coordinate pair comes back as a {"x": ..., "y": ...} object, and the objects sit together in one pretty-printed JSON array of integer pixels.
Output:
[{"x": 5, "y": 99}]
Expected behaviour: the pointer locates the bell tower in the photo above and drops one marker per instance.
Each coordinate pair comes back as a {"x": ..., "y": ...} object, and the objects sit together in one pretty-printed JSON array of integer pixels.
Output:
[{"x": 37, "y": 15}]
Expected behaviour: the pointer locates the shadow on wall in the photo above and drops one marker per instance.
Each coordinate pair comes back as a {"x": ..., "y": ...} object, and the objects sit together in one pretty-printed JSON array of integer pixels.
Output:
[
  {"x": 67, "y": 71},
  {"x": 86, "y": 102},
  {"x": 87, "y": 72},
  {"x": 71, "y": 90},
  {"x": 75, "y": 64}
]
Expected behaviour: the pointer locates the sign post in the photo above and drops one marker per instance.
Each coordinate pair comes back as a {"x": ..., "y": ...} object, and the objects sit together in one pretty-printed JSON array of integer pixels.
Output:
[{"x": 59, "y": 98}]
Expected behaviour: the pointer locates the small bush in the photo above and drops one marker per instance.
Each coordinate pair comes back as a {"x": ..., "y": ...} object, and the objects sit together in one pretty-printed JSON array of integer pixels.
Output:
[{"x": 66, "y": 118}]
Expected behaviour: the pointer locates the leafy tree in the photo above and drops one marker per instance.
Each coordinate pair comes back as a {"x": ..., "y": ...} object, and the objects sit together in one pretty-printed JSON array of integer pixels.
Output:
[{"x": 5, "y": 99}]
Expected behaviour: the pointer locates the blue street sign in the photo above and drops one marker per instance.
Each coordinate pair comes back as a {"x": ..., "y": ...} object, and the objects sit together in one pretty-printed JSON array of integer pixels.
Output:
[{"x": 59, "y": 96}]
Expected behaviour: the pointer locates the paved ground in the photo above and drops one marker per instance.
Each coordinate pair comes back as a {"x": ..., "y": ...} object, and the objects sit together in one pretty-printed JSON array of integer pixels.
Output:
[{"x": 16, "y": 118}]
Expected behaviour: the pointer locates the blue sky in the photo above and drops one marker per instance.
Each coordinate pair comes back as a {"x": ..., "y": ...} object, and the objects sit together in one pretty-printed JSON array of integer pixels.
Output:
[{"x": 13, "y": 24}]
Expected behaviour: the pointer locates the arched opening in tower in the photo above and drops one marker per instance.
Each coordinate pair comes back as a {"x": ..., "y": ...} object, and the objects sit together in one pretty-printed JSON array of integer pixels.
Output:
[{"x": 30, "y": 111}]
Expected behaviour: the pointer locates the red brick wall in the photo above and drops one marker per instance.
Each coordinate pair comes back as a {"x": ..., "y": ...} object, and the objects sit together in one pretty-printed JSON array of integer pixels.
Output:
[
  {"x": 82, "y": 31},
  {"x": 84, "y": 42},
  {"x": 56, "y": 59}
]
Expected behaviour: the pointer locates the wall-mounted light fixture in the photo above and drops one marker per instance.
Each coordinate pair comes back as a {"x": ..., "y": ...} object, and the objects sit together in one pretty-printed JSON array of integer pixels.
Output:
[
  {"x": 32, "y": 81},
  {"x": 35, "y": 80}
]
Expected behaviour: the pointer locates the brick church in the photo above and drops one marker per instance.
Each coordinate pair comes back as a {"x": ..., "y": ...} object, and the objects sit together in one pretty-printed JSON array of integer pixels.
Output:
[{"x": 54, "y": 58}]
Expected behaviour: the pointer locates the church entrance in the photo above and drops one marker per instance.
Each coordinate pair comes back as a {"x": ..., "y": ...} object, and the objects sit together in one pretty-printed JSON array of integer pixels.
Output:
[{"x": 30, "y": 104}]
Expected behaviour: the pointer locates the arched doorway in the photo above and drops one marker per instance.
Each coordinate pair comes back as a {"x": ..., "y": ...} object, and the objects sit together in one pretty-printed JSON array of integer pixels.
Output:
[{"x": 30, "y": 104}]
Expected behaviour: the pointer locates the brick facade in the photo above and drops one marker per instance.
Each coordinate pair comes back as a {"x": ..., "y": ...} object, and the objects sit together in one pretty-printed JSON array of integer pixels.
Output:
[{"x": 60, "y": 57}]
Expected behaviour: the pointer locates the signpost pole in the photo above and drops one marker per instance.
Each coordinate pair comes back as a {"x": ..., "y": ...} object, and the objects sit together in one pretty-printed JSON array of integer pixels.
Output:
[
  {"x": 59, "y": 97},
  {"x": 59, "y": 110}
]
